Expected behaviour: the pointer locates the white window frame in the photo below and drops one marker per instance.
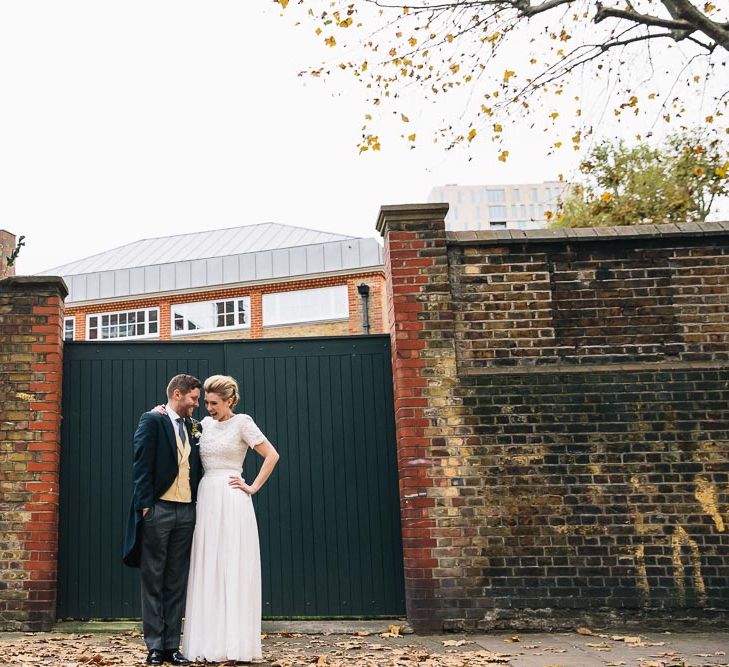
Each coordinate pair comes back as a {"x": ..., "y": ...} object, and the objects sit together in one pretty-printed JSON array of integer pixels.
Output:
[
  {"x": 271, "y": 320},
  {"x": 246, "y": 300},
  {"x": 100, "y": 326},
  {"x": 496, "y": 196},
  {"x": 72, "y": 320}
]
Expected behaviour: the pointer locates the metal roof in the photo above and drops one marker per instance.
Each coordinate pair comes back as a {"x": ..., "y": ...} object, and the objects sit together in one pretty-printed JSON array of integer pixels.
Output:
[
  {"x": 351, "y": 254},
  {"x": 197, "y": 245}
]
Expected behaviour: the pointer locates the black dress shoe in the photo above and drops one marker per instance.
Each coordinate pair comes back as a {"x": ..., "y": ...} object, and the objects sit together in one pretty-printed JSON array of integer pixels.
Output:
[
  {"x": 155, "y": 657},
  {"x": 174, "y": 657}
]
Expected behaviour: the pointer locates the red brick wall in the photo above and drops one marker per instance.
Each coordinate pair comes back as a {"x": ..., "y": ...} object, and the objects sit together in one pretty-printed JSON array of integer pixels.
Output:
[
  {"x": 376, "y": 318},
  {"x": 31, "y": 352},
  {"x": 423, "y": 362}
]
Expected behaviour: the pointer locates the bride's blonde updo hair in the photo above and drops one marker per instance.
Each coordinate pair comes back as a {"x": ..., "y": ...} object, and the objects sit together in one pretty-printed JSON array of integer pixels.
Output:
[{"x": 224, "y": 386}]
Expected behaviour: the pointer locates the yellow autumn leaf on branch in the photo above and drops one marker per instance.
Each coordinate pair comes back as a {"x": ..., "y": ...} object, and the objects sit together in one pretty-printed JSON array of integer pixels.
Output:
[
  {"x": 411, "y": 137},
  {"x": 412, "y": 41},
  {"x": 606, "y": 197},
  {"x": 283, "y": 3},
  {"x": 405, "y": 119},
  {"x": 508, "y": 74},
  {"x": 498, "y": 127},
  {"x": 330, "y": 41},
  {"x": 449, "y": 38},
  {"x": 472, "y": 134},
  {"x": 504, "y": 155},
  {"x": 455, "y": 67}
]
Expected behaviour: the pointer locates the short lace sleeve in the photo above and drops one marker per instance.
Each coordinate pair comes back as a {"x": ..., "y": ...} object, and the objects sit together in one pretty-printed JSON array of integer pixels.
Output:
[
  {"x": 249, "y": 431},
  {"x": 205, "y": 421}
]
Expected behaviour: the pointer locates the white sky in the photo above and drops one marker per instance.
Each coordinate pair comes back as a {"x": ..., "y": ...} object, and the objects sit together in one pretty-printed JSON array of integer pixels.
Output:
[{"x": 128, "y": 120}]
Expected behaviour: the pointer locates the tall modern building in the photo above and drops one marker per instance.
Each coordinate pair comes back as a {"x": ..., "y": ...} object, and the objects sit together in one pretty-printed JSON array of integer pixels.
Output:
[{"x": 522, "y": 206}]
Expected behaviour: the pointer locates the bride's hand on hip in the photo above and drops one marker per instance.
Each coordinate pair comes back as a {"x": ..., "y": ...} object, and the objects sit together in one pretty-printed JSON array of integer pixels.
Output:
[
  {"x": 159, "y": 408},
  {"x": 239, "y": 483}
]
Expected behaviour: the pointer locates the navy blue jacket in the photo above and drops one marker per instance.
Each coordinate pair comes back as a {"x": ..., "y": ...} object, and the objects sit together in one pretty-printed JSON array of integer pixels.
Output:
[{"x": 154, "y": 469}]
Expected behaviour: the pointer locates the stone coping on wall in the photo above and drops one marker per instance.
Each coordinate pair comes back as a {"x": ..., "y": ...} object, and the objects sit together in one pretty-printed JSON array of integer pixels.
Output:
[
  {"x": 510, "y": 236},
  {"x": 556, "y": 368},
  {"x": 30, "y": 282}
]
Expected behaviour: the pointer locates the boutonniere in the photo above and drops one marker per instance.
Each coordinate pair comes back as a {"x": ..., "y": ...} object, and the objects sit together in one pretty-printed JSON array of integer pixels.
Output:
[{"x": 196, "y": 432}]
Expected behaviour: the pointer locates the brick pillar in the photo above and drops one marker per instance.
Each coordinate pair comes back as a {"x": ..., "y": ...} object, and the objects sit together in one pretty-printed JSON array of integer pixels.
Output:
[
  {"x": 165, "y": 320},
  {"x": 421, "y": 323},
  {"x": 7, "y": 245},
  {"x": 256, "y": 314},
  {"x": 31, "y": 346}
]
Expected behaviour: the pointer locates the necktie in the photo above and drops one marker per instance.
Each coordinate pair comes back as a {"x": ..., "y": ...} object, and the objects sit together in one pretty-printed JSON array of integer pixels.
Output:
[{"x": 181, "y": 429}]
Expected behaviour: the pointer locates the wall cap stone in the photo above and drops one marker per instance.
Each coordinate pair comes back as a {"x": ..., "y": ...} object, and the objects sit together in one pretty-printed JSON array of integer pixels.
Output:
[
  {"x": 410, "y": 212},
  {"x": 560, "y": 235},
  {"x": 17, "y": 283}
]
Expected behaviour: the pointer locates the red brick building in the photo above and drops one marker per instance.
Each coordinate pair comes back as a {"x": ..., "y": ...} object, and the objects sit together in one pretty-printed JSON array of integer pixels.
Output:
[{"x": 259, "y": 281}]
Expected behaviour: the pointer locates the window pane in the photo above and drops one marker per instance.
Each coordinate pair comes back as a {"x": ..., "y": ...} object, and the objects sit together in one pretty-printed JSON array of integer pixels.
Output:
[
  {"x": 497, "y": 213},
  {"x": 325, "y": 303},
  {"x": 496, "y": 196}
]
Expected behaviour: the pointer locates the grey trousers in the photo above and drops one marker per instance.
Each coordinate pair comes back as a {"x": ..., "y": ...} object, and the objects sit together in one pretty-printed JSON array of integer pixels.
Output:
[{"x": 166, "y": 540}]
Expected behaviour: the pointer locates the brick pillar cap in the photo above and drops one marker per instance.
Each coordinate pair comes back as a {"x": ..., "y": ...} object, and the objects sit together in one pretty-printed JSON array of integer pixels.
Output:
[
  {"x": 405, "y": 212},
  {"x": 15, "y": 283}
]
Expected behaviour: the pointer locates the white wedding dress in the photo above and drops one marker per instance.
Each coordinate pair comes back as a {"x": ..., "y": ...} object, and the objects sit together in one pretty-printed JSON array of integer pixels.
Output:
[{"x": 223, "y": 609}]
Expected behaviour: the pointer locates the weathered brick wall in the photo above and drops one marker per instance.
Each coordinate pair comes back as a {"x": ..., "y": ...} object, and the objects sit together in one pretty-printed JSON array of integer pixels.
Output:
[
  {"x": 563, "y": 421},
  {"x": 646, "y": 299},
  {"x": 336, "y": 328},
  {"x": 31, "y": 316}
]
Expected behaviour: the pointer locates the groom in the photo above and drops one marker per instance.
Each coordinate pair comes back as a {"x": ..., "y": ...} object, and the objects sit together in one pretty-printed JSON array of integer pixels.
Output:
[{"x": 166, "y": 473}]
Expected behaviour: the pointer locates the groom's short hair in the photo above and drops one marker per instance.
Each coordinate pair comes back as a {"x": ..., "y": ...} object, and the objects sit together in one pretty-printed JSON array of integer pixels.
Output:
[{"x": 185, "y": 383}]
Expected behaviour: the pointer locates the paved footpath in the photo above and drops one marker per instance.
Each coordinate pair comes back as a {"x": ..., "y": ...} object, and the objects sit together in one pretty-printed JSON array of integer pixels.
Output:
[{"x": 379, "y": 644}]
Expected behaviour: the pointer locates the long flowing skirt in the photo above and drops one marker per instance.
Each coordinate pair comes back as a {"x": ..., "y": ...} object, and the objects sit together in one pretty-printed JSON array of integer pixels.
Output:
[{"x": 223, "y": 609}]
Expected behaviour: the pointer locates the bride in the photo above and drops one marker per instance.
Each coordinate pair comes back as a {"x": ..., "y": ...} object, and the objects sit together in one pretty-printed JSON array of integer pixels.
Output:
[{"x": 223, "y": 608}]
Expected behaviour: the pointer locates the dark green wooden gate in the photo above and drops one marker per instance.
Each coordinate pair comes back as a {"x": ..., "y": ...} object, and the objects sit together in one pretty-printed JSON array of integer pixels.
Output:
[{"x": 328, "y": 517}]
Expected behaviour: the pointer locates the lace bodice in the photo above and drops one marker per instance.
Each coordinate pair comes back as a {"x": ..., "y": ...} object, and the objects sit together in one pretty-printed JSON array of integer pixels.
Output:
[{"x": 223, "y": 445}]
